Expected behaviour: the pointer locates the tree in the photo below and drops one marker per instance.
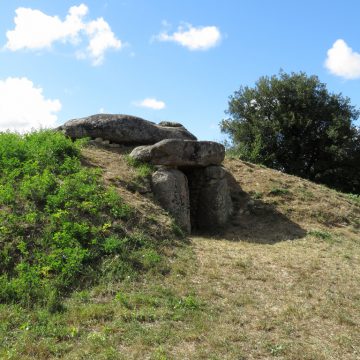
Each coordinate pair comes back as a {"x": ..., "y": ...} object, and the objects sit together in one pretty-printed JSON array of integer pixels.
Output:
[{"x": 292, "y": 123}]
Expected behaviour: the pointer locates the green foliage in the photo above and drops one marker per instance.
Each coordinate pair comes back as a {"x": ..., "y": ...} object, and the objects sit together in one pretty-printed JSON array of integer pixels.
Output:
[
  {"x": 279, "y": 191},
  {"x": 321, "y": 234},
  {"x": 354, "y": 198},
  {"x": 178, "y": 305},
  {"x": 292, "y": 123},
  {"x": 189, "y": 302},
  {"x": 275, "y": 349},
  {"x": 176, "y": 229},
  {"x": 58, "y": 222},
  {"x": 142, "y": 169},
  {"x": 256, "y": 195}
]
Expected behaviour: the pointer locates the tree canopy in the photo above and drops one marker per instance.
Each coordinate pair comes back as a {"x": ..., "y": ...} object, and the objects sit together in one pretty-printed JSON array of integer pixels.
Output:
[{"x": 292, "y": 123}]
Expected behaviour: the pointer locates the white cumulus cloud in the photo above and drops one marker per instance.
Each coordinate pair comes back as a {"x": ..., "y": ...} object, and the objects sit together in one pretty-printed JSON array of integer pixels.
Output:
[
  {"x": 343, "y": 61},
  {"x": 35, "y": 30},
  {"x": 151, "y": 103},
  {"x": 23, "y": 106},
  {"x": 193, "y": 38},
  {"x": 101, "y": 38}
]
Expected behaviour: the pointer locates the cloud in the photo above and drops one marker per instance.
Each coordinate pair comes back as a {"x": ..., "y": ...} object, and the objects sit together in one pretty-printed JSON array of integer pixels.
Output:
[
  {"x": 101, "y": 38},
  {"x": 35, "y": 30},
  {"x": 151, "y": 103},
  {"x": 343, "y": 61},
  {"x": 193, "y": 38},
  {"x": 23, "y": 106}
]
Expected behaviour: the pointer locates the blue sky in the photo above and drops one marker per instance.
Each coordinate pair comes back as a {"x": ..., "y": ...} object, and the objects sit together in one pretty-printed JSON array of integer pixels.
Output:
[{"x": 175, "y": 60}]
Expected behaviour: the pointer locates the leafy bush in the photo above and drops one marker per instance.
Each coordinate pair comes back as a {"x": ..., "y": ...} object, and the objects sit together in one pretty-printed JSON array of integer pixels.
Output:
[
  {"x": 58, "y": 222},
  {"x": 292, "y": 123}
]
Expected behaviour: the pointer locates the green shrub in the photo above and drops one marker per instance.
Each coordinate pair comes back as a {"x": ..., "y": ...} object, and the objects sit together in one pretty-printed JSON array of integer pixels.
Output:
[{"x": 58, "y": 222}]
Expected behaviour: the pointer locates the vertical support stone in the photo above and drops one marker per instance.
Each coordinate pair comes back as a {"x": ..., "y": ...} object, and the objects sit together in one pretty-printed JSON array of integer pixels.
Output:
[
  {"x": 170, "y": 187},
  {"x": 215, "y": 204}
]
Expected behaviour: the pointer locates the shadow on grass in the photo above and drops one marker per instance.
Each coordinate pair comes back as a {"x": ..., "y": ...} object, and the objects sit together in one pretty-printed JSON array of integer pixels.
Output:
[{"x": 255, "y": 221}]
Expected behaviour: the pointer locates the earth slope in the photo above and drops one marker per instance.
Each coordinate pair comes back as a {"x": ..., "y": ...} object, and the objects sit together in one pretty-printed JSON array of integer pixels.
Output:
[{"x": 281, "y": 281}]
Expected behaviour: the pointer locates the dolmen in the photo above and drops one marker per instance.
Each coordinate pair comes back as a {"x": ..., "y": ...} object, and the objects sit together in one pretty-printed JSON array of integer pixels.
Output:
[{"x": 189, "y": 181}]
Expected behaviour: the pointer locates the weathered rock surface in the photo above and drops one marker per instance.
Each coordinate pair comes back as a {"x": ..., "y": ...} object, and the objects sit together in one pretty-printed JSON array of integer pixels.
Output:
[
  {"x": 190, "y": 183},
  {"x": 169, "y": 124},
  {"x": 210, "y": 199},
  {"x": 124, "y": 129},
  {"x": 182, "y": 153},
  {"x": 170, "y": 187}
]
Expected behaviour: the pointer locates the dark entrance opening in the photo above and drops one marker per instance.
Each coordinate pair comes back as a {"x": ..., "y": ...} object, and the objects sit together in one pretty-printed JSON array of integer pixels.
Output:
[{"x": 196, "y": 184}]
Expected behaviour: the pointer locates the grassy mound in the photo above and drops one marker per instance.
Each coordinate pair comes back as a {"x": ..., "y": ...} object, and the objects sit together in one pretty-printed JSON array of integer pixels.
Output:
[
  {"x": 281, "y": 281},
  {"x": 60, "y": 226}
]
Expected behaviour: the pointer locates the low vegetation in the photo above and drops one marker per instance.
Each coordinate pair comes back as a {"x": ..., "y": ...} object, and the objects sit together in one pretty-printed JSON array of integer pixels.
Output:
[
  {"x": 280, "y": 282},
  {"x": 142, "y": 169},
  {"x": 61, "y": 227}
]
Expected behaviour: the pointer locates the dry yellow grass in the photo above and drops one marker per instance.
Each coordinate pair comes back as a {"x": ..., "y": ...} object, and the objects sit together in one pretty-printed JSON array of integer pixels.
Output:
[
  {"x": 296, "y": 201},
  {"x": 294, "y": 299},
  {"x": 282, "y": 280}
]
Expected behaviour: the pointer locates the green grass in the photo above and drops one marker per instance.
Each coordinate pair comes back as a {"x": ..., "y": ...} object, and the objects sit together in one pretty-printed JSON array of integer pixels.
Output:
[
  {"x": 143, "y": 170},
  {"x": 279, "y": 191},
  {"x": 60, "y": 227},
  {"x": 135, "y": 296},
  {"x": 140, "y": 317},
  {"x": 257, "y": 195},
  {"x": 354, "y": 198},
  {"x": 320, "y": 234}
]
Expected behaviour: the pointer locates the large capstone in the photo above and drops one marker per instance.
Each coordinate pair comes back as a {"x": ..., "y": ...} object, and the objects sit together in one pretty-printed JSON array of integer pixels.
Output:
[
  {"x": 182, "y": 153},
  {"x": 210, "y": 200},
  {"x": 124, "y": 129},
  {"x": 170, "y": 187}
]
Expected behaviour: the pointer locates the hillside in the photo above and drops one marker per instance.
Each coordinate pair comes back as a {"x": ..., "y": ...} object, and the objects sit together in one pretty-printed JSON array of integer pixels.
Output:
[
  {"x": 270, "y": 206},
  {"x": 281, "y": 281}
]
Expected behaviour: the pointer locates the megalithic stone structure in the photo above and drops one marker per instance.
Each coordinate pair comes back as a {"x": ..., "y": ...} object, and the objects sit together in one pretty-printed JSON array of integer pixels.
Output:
[
  {"x": 190, "y": 182},
  {"x": 199, "y": 199}
]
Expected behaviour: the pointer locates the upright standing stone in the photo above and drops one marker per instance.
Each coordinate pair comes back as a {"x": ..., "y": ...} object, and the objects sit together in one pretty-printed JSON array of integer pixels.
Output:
[{"x": 170, "y": 187}]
